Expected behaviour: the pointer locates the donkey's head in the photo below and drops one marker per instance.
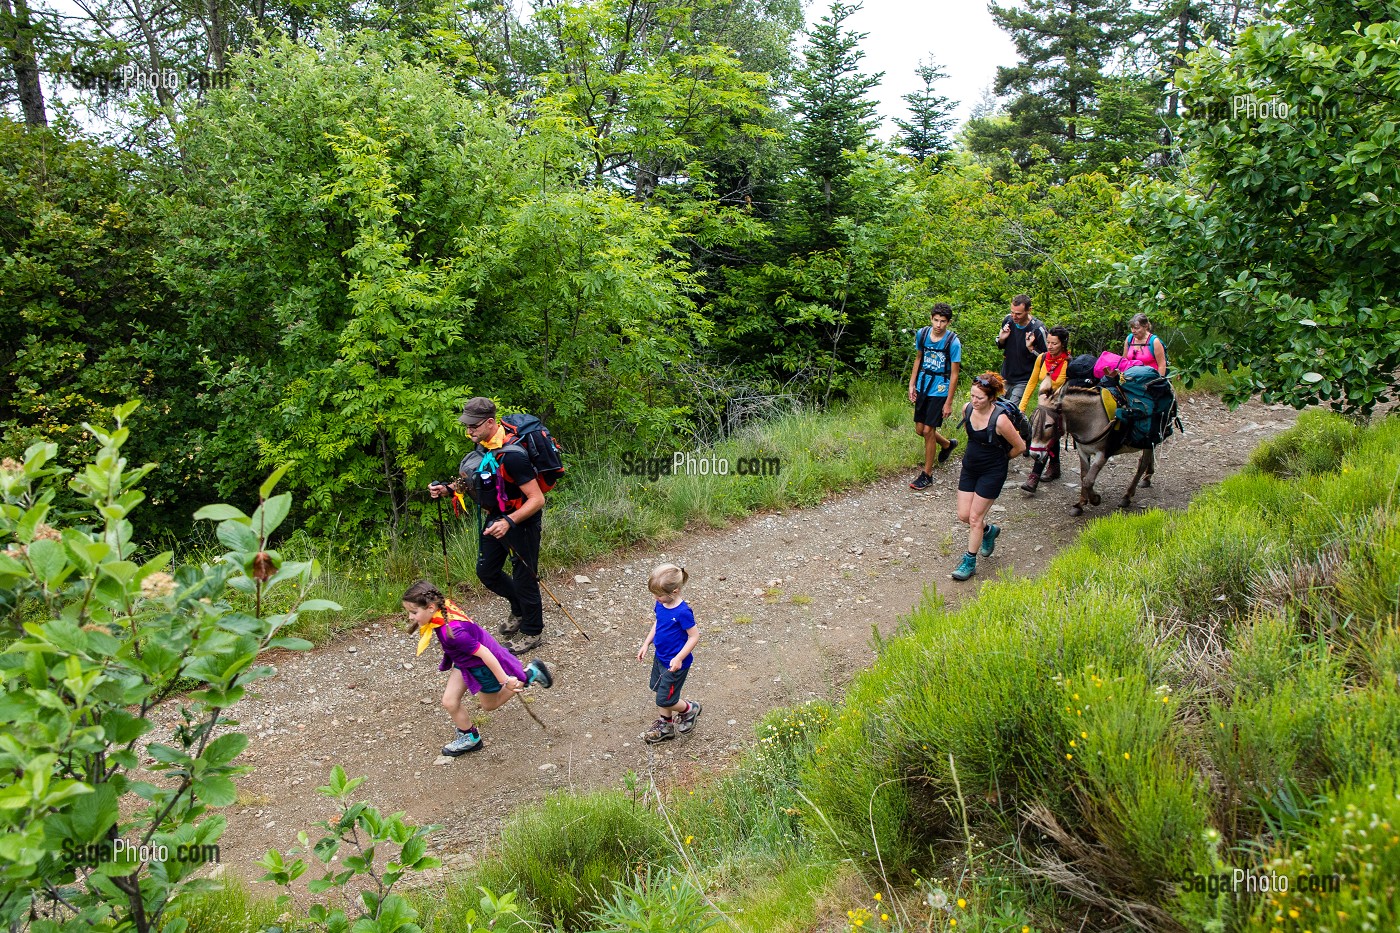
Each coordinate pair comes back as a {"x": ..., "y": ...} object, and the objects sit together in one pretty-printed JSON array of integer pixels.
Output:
[{"x": 1047, "y": 424}]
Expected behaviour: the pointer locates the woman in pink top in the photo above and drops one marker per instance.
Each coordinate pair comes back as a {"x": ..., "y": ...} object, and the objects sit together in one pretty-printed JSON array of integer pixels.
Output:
[{"x": 1143, "y": 347}]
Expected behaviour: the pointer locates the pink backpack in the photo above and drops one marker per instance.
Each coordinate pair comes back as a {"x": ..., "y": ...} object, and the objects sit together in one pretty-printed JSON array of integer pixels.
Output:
[{"x": 1109, "y": 361}]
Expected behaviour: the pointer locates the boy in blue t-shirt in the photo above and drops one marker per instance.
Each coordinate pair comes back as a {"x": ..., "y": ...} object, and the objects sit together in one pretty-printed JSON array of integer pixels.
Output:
[
  {"x": 932, "y": 384},
  {"x": 674, "y": 635}
]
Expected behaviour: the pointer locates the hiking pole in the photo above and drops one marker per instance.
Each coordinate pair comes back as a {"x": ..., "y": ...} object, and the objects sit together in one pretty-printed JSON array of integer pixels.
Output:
[
  {"x": 442, "y": 536},
  {"x": 517, "y": 557}
]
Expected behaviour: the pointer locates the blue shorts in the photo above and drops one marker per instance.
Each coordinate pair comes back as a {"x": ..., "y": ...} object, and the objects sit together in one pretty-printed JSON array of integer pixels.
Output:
[
  {"x": 666, "y": 682},
  {"x": 483, "y": 676}
]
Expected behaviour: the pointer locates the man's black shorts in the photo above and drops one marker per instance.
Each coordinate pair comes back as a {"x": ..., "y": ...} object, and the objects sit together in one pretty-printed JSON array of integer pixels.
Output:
[
  {"x": 666, "y": 682},
  {"x": 928, "y": 409}
]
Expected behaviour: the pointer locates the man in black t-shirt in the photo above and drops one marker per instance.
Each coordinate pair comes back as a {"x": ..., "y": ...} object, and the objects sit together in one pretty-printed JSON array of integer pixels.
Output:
[
  {"x": 514, "y": 522},
  {"x": 1021, "y": 340}
]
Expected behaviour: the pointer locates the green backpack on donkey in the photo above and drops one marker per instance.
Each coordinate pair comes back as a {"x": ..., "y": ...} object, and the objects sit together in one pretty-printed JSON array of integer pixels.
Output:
[{"x": 1146, "y": 406}]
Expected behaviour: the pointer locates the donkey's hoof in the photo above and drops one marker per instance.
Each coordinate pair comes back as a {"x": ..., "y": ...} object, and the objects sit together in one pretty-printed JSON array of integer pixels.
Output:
[
  {"x": 1076, "y": 510},
  {"x": 1095, "y": 498},
  {"x": 1125, "y": 504},
  {"x": 1147, "y": 482}
]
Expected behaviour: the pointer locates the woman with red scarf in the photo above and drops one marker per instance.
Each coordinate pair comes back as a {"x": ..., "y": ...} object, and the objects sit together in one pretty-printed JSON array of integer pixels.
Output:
[{"x": 1051, "y": 368}]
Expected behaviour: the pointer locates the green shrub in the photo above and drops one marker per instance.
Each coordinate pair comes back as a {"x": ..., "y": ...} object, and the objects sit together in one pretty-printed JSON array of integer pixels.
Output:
[
  {"x": 1208, "y": 573},
  {"x": 1382, "y": 657},
  {"x": 1363, "y": 737},
  {"x": 752, "y": 813},
  {"x": 565, "y": 853},
  {"x": 1262, "y": 653},
  {"x": 1135, "y": 790},
  {"x": 977, "y": 685},
  {"x": 1368, "y": 583},
  {"x": 664, "y": 903},
  {"x": 1274, "y": 742},
  {"x": 1315, "y": 444},
  {"x": 1356, "y": 838}
]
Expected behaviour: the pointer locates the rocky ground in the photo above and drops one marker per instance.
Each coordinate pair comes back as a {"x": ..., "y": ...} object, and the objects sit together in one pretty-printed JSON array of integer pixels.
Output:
[{"x": 786, "y": 603}]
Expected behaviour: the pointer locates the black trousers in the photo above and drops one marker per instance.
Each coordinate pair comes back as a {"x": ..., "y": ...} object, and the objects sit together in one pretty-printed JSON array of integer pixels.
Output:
[{"x": 521, "y": 589}]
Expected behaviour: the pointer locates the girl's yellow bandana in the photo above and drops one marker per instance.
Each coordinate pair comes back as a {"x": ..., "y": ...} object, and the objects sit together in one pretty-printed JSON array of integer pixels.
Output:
[{"x": 425, "y": 632}]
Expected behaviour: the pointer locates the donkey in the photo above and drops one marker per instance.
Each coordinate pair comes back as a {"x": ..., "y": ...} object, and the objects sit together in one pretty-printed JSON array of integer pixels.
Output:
[{"x": 1079, "y": 412}]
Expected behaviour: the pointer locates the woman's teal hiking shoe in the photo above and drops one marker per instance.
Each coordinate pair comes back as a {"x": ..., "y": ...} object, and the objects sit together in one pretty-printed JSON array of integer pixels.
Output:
[
  {"x": 965, "y": 569},
  {"x": 989, "y": 540}
]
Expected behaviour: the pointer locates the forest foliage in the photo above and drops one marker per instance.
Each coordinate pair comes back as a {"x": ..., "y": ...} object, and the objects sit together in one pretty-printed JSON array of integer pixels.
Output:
[{"x": 646, "y": 221}]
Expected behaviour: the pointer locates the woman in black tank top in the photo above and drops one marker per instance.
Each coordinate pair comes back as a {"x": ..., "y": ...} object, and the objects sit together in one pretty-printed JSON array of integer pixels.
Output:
[{"x": 992, "y": 440}]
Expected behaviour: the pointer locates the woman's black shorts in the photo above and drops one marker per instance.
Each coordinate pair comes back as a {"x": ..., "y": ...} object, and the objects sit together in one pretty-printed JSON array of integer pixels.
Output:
[{"x": 985, "y": 484}]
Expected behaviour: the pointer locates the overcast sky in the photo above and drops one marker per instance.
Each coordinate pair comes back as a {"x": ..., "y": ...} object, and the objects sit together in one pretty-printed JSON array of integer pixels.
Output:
[{"x": 959, "y": 35}]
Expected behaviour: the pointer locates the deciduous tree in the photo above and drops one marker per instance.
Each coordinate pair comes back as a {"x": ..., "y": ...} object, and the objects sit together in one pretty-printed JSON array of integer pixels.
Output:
[{"x": 1276, "y": 243}]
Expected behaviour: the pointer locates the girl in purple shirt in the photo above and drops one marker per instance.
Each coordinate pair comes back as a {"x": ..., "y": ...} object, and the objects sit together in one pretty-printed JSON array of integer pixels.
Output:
[{"x": 477, "y": 662}]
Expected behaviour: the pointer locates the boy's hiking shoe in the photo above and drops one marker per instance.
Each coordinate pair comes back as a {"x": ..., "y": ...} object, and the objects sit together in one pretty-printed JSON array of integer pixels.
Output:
[
  {"x": 1052, "y": 471},
  {"x": 989, "y": 540},
  {"x": 465, "y": 742},
  {"x": 536, "y": 672},
  {"x": 510, "y": 626},
  {"x": 524, "y": 643},
  {"x": 660, "y": 731},
  {"x": 686, "y": 721},
  {"x": 947, "y": 452},
  {"x": 966, "y": 568},
  {"x": 922, "y": 481}
]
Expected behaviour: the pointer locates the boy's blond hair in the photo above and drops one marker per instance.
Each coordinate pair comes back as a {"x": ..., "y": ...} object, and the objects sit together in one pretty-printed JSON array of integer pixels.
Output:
[{"x": 666, "y": 579}]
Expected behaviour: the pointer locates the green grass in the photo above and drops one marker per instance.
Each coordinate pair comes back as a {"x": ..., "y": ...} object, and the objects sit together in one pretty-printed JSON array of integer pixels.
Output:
[
  {"x": 1316, "y": 444},
  {"x": 231, "y": 909},
  {"x": 783, "y": 898},
  {"x": 565, "y": 854}
]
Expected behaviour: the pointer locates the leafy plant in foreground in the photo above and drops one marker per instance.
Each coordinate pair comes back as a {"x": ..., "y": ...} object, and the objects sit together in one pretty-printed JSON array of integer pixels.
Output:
[
  {"x": 97, "y": 642},
  {"x": 359, "y": 832}
]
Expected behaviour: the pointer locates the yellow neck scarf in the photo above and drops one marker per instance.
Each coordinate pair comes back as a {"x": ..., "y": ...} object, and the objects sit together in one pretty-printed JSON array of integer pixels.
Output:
[
  {"x": 425, "y": 631},
  {"x": 497, "y": 440}
]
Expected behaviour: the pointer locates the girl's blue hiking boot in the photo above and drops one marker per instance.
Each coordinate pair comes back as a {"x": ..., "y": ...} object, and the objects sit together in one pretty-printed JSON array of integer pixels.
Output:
[
  {"x": 989, "y": 540},
  {"x": 966, "y": 568},
  {"x": 468, "y": 741},
  {"x": 537, "y": 673}
]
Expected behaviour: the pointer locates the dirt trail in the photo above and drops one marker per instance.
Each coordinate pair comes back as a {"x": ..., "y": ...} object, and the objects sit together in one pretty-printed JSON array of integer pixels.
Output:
[{"x": 785, "y": 602}]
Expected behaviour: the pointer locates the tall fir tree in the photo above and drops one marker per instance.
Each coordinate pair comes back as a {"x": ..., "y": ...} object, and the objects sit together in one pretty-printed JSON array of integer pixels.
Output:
[
  {"x": 1064, "y": 46},
  {"x": 927, "y": 134},
  {"x": 1176, "y": 28},
  {"x": 834, "y": 115}
]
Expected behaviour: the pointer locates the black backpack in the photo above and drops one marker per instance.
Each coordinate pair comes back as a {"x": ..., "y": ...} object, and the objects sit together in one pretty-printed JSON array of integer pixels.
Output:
[
  {"x": 1081, "y": 368},
  {"x": 1002, "y": 407},
  {"x": 481, "y": 468}
]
